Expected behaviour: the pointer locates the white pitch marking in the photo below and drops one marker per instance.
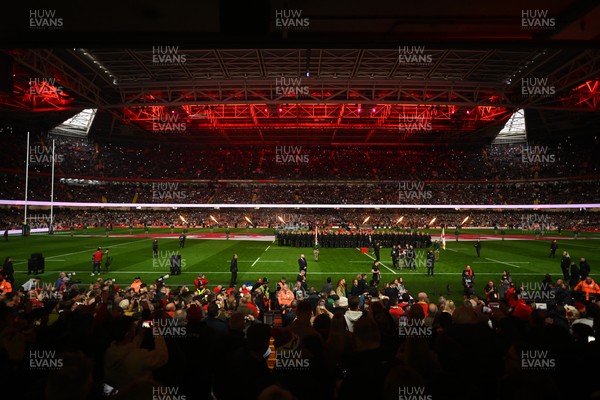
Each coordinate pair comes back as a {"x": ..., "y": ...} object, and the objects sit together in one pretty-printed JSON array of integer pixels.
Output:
[
  {"x": 382, "y": 264},
  {"x": 493, "y": 262},
  {"x": 254, "y": 263},
  {"x": 502, "y": 262}
]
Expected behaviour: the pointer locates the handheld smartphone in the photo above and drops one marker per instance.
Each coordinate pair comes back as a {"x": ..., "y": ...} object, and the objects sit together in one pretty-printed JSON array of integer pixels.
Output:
[
  {"x": 147, "y": 324},
  {"x": 108, "y": 390}
]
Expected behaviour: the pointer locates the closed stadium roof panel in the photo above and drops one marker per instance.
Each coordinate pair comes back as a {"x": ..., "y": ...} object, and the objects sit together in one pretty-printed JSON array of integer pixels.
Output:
[{"x": 226, "y": 73}]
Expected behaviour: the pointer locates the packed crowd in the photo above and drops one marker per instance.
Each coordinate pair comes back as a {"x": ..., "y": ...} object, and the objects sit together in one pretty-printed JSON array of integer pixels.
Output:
[
  {"x": 303, "y": 219},
  {"x": 292, "y": 340},
  {"x": 80, "y": 157},
  {"x": 402, "y": 192}
]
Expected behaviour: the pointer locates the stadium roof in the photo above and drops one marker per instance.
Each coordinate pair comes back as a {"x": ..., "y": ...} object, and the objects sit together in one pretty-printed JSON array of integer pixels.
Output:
[{"x": 211, "y": 72}]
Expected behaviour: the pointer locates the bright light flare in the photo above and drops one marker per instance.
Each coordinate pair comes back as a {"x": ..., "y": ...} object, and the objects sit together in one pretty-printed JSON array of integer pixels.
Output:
[
  {"x": 214, "y": 219},
  {"x": 248, "y": 219},
  {"x": 400, "y": 219},
  {"x": 366, "y": 220},
  {"x": 464, "y": 220},
  {"x": 432, "y": 221},
  {"x": 281, "y": 219},
  {"x": 183, "y": 219}
]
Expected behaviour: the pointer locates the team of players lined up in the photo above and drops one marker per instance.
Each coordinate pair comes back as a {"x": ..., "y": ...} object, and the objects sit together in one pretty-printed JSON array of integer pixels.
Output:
[{"x": 342, "y": 238}]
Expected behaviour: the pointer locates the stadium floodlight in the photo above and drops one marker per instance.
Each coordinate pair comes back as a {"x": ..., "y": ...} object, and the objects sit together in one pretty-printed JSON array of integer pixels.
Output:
[
  {"x": 400, "y": 219},
  {"x": 366, "y": 220},
  {"x": 465, "y": 220},
  {"x": 281, "y": 219},
  {"x": 183, "y": 219},
  {"x": 214, "y": 219},
  {"x": 248, "y": 219},
  {"x": 432, "y": 221}
]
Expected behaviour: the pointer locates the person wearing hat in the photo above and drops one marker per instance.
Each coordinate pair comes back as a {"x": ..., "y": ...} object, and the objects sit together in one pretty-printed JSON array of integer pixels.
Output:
[
  {"x": 233, "y": 268},
  {"x": 97, "y": 261}
]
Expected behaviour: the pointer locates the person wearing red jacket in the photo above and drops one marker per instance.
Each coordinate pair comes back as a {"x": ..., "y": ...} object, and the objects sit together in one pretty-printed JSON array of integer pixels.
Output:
[
  {"x": 200, "y": 281},
  {"x": 97, "y": 260}
]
